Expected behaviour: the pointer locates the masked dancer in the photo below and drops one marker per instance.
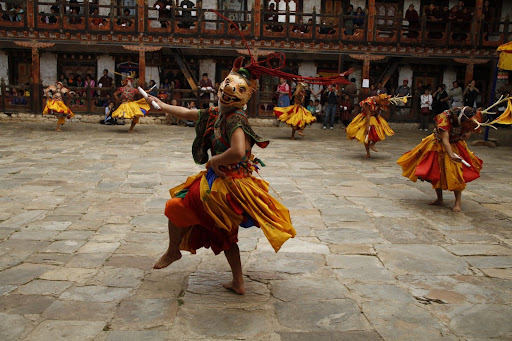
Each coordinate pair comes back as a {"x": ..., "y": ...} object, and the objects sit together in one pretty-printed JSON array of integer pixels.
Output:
[
  {"x": 55, "y": 104},
  {"x": 129, "y": 107},
  {"x": 296, "y": 115}
]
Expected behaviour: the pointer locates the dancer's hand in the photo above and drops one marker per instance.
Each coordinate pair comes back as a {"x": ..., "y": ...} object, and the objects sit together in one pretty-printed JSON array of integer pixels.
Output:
[
  {"x": 214, "y": 163},
  {"x": 455, "y": 158},
  {"x": 154, "y": 99}
]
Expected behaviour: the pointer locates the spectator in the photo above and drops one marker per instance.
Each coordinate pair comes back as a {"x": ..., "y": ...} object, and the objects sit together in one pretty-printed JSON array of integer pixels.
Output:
[
  {"x": 96, "y": 19},
  {"x": 51, "y": 18},
  {"x": 93, "y": 4},
  {"x": 109, "y": 109},
  {"x": 332, "y": 106},
  {"x": 470, "y": 94},
  {"x": 154, "y": 91},
  {"x": 326, "y": 28},
  {"x": 171, "y": 120},
  {"x": 62, "y": 79},
  {"x": 311, "y": 107},
  {"x": 359, "y": 17},
  {"x": 105, "y": 81},
  {"x": 372, "y": 91},
  {"x": 299, "y": 26},
  {"x": 489, "y": 14},
  {"x": 271, "y": 19},
  {"x": 318, "y": 110},
  {"x": 351, "y": 89},
  {"x": 18, "y": 98},
  {"x": 74, "y": 19},
  {"x": 5, "y": 16},
  {"x": 432, "y": 22},
  {"x": 191, "y": 105},
  {"x": 71, "y": 80},
  {"x": 444, "y": 18},
  {"x": 441, "y": 99},
  {"x": 16, "y": 13},
  {"x": 206, "y": 84},
  {"x": 426, "y": 107},
  {"x": 411, "y": 15},
  {"x": 164, "y": 8},
  {"x": 381, "y": 89},
  {"x": 346, "y": 106},
  {"x": 125, "y": 20},
  {"x": 349, "y": 20},
  {"x": 187, "y": 14},
  {"x": 404, "y": 89},
  {"x": 89, "y": 83},
  {"x": 74, "y": 7},
  {"x": 283, "y": 91},
  {"x": 79, "y": 82},
  {"x": 456, "y": 95},
  {"x": 316, "y": 91}
]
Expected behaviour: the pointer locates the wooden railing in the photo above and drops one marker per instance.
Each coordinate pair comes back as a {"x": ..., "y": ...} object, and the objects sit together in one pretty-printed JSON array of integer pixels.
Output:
[{"x": 297, "y": 27}]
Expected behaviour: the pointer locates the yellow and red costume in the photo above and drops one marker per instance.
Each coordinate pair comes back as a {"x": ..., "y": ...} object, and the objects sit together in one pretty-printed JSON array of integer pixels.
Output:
[
  {"x": 129, "y": 108},
  {"x": 55, "y": 104},
  {"x": 430, "y": 162},
  {"x": 296, "y": 115},
  {"x": 379, "y": 127},
  {"x": 213, "y": 208}
]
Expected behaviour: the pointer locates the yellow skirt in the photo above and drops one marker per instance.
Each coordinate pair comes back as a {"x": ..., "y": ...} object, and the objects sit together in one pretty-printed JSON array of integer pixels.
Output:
[
  {"x": 132, "y": 109},
  {"x": 296, "y": 116},
  {"x": 379, "y": 128},
  {"x": 429, "y": 161},
  {"x": 57, "y": 108},
  {"x": 221, "y": 205}
]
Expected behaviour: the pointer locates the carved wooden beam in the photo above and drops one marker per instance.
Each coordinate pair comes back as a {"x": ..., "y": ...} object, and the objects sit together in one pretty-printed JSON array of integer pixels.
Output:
[
  {"x": 471, "y": 61},
  {"x": 33, "y": 44},
  {"x": 144, "y": 48},
  {"x": 255, "y": 52},
  {"x": 366, "y": 57}
]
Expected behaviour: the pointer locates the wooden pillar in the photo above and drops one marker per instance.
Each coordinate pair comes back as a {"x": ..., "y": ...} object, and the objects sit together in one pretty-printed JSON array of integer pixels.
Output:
[
  {"x": 36, "y": 80},
  {"x": 30, "y": 14},
  {"x": 478, "y": 22},
  {"x": 366, "y": 75},
  {"x": 371, "y": 20},
  {"x": 141, "y": 15},
  {"x": 469, "y": 74},
  {"x": 142, "y": 67},
  {"x": 257, "y": 17}
]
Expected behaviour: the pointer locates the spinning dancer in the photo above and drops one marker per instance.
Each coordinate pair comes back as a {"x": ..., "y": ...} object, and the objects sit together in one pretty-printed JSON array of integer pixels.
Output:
[
  {"x": 207, "y": 210},
  {"x": 443, "y": 158},
  {"x": 369, "y": 127},
  {"x": 55, "y": 103},
  {"x": 130, "y": 108},
  {"x": 296, "y": 116}
]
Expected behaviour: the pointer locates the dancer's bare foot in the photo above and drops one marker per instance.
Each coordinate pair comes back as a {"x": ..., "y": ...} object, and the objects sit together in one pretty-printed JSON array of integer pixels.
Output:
[
  {"x": 166, "y": 260},
  {"x": 59, "y": 130},
  {"x": 131, "y": 131},
  {"x": 372, "y": 147},
  {"x": 300, "y": 132},
  {"x": 456, "y": 208},
  {"x": 367, "y": 156},
  {"x": 437, "y": 202},
  {"x": 235, "y": 287}
]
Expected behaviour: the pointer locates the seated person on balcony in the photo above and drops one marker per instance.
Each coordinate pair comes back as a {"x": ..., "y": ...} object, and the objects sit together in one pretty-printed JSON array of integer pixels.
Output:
[
  {"x": 92, "y": 5},
  {"x": 96, "y": 19},
  {"x": 74, "y": 19},
  {"x": 411, "y": 15},
  {"x": 15, "y": 14},
  {"x": 271, "y": 19},
  {"x": 186, "y": 15},
  {"x": 79, "y": 82},
  {"x": 125, "y": 20},
  {"x": 432, "y": 15},
  {"x": 359, "y": 17},
  {"x": 74, "y": 7},
  {"x": 348, "y": 20},
  {"x": 164, "y": 8},
  {"x": 299, "y": 27},
  {"x": 49, "y": 19},
  {"x": 327, "y": 28},
  {"x": 18, "y": 98}
]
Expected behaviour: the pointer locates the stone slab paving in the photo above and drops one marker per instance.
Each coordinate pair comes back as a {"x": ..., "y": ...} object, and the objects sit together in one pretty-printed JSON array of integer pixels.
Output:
[{"x": 81, "y": 225}]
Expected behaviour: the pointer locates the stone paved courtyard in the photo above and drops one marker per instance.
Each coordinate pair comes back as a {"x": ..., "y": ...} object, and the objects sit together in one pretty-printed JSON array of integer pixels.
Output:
[{"x": 81, "y": 224}]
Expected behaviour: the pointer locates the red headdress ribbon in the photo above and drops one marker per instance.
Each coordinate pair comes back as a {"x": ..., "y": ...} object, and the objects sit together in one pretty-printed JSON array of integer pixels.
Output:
[{"x": 257, "y": 68}]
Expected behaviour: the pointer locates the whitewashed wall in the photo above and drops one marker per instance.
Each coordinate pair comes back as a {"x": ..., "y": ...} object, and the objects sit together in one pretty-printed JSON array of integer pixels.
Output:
[
  {"x": 4, "y": 66},
  {"x": 307, "y": 69},
  {"x": 48, "y": 68},
  {"x": 152, "y": 74},
  {"x": 449, "y": 76},
  {"x": 405, "y": 72},
  {"x": 106, "y": 62},
  {"x": 357, "y": 74},
  {"x": 208, "y": 66}
]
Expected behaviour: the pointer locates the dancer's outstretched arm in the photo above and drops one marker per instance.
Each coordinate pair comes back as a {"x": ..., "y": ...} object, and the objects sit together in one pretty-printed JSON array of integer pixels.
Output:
[{"x": 174, "y": 110}]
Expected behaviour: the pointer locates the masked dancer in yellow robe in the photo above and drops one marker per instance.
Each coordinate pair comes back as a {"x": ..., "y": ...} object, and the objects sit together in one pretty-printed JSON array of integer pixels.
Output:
[{"x": 55, "y": 104}]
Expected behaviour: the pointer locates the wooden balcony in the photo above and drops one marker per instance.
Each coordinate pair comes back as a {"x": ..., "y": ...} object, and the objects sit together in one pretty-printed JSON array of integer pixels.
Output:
[{"x": 200, "y": 28}]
